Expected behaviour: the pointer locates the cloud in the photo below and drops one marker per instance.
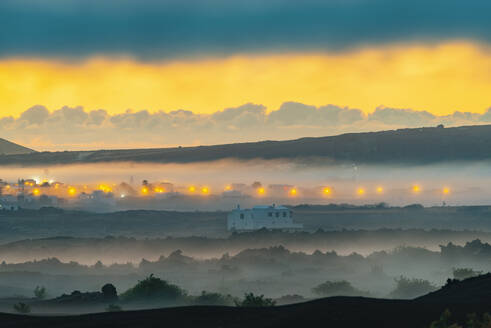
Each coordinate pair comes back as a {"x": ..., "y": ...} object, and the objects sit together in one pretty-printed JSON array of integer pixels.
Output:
[
  {"x": 408, "y": 117},
  {"x": 174, "y": 28},
  {"x": 293, "y": 113},
  {"x": 35, "y": 115},
  {"x": 76, "y": 128}
]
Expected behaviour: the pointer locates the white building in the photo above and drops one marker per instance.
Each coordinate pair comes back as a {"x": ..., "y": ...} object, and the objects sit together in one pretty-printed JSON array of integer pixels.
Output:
[{"x": 269, "y": 217}]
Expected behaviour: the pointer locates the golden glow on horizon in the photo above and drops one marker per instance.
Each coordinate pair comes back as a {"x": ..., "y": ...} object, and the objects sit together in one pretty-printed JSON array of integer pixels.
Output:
[
  {"x": 293, "y": 192},
  {"x": 192, "y": 189},
  {"x": 205, "y": 190},
  {"x": 439, "y": 79},
  {"x": 72, "y": 191},
  {"x": 261, "y": 191},
  {"x": 327, "y": 191},
  {"x": 416, "y": 189},
  {"x": 103, "y": 187}
]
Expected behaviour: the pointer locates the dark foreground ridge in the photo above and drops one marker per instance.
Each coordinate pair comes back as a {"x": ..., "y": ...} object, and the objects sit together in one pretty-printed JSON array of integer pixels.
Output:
[
  {"x": 461, "y": 298},
  {"x": 421, "y": 145}
]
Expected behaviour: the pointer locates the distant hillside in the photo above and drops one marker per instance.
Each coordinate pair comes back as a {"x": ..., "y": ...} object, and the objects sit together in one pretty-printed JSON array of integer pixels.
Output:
[
  {"x": 348, "y": 312},
  {"x": 10, "y": 148},
  {"x": 421, "y": 145}
]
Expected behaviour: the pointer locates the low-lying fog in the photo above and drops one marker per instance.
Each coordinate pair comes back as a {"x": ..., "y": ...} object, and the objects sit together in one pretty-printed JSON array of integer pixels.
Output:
[{"x": 223, "y": 184}]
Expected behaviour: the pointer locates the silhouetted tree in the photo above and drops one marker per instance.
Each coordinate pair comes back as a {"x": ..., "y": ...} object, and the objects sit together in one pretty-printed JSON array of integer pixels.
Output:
[
  {"x": 109, "y": 292},
  {"x": 22, "y": 308},
  {"x": 40, "y": 292},
  {"x": 464, "y": 273},
  {"x": 251, "y": 300},
  {"x": 153, "y": 288},
  {"x": 411, "y": 288},
  {"x": 337, "y": 288},
  {"x": 207, "y": 298}
]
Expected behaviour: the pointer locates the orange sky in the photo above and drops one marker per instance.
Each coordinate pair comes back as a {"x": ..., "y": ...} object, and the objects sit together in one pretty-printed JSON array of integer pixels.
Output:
[{"x": 439, "y": 79}]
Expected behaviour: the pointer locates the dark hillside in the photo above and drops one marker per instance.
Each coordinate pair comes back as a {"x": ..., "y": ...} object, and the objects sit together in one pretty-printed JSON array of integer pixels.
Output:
[
  {"x": 468, "y": 296},
  {"x": 421, "y": 145}
]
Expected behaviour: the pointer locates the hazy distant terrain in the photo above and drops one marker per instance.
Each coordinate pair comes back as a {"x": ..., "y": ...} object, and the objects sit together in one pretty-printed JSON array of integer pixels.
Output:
[
  {"x": 49, "y": 222},
  {"x": 417, "y": 146},
  {"x": 10, "y": 148}
]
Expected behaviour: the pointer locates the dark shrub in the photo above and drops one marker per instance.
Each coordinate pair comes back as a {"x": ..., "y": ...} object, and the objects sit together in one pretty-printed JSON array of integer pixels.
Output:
[
  {"x": 337, "y": 288},
  {"x": 464, "y": 273},
  {"x": 153, "y": 288},
  {"x": 40, "y": 292},
  {"x": 251, "y": 300},
  {"x": 109, "y": 292},
  {"x": 22, "y": 308},
  {"x": 411, "y": 288},
  {"x": 207, "y": 298}
]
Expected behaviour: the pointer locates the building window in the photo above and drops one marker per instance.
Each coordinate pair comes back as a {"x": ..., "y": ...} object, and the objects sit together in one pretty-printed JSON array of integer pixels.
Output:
[
  {"x": 241, "y": 215},
  {"x": 291, "y": 213},
  {"x": 277, "y": 214},
  {"x": 270, "y": 214},
  {"x": 284, "y": 214}
]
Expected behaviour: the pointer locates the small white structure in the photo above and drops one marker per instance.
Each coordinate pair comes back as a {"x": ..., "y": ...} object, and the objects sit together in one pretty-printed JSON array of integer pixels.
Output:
[{"x": 269, "y": 217}]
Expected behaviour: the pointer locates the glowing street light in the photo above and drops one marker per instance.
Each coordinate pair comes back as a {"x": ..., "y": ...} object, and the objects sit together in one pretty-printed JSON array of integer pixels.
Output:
[
  {"x": 416, "y": 189},
  {"x": 72, "y": 191},
  {"x": 293, "y": 192},
  {"x": 446, "y": 190},
  {"x": 360, "y": 191},
  {"x": 379, "y": 190},
  {"x": 261, "y": 191},
  {"x": 327, "y": 191}
]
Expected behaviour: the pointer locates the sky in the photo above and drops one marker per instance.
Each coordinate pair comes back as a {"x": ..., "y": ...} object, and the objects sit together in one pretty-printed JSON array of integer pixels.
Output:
[{"x": 87, "y": 74}]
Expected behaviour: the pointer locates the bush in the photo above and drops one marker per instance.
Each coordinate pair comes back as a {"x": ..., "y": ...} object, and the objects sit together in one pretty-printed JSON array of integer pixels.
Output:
[
  {"x": 411, "y": 288},
  {"x": 213, "y": 299},
  {"x": 109, "y": 292},
  {"x": 22, "y": 308},
  {"x": 153, "y": 288},
  {"x": 337, "y": 288},
  {"x": 113, "y": 308},
  {"x": 251, "y": 300},
  {"x": 40, "y": 292},
  {"x": 444, "y": 321},
  {"x": 465, "y": 273}
]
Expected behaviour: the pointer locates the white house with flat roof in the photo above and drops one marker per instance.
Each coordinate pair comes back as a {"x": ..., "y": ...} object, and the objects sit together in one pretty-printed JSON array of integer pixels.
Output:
[{"x": 258, "y": 217}]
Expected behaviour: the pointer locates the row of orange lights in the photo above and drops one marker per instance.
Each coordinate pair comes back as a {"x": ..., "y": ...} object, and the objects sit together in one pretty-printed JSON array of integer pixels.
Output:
[{"x": 261, "y": 191}]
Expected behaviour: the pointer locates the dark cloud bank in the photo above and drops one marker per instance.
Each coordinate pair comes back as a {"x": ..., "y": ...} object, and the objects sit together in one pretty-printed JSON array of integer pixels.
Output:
[
  {"x": 76, "y": 128},
  {"x": 172, "y": 28}
]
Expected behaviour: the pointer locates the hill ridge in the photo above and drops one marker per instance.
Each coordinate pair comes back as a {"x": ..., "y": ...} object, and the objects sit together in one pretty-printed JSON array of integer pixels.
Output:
[{"x": 413, "y": 146}]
